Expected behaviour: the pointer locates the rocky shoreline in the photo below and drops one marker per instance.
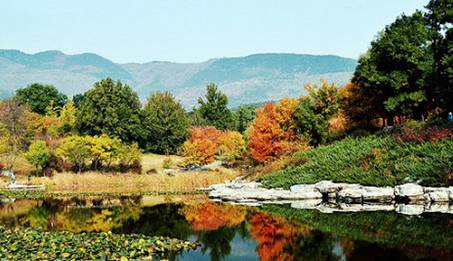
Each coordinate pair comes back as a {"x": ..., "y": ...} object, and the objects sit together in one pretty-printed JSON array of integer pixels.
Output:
[{"x": 328, "y": 197}]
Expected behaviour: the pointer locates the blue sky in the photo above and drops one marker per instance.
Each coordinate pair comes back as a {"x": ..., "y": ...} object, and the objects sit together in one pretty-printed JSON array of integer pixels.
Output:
[{"x": 191, "y": 31}]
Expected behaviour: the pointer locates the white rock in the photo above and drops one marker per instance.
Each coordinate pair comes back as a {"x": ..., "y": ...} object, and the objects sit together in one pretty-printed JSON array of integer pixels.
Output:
[
  {"x": 302, "y": 188},
  {"x": 410, "y": 209},
  {"x": 450, "y": 193},
  {"x": 351, "y": 194},
  {"x": 380, "y": 194},
  {"x": 301, "y": 194},
  {"x": 436, "y": 194},
  {"x": 412, "y": 191}
]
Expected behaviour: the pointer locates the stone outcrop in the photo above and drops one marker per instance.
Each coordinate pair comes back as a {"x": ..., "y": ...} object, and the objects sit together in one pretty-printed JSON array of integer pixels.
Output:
[{"x": 328, "y": 197}]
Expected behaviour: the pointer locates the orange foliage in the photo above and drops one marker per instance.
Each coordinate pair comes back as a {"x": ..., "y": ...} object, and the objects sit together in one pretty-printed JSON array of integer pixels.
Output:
[
  {"x": 205, "y": 133},
  {"x": 272, "y": 133},
  {"x": 339, "y": 123},
  {"x": 202, "y": 145},
  {"x": 285, "y": 113},
  {"x": 275, "y": 236},
  {"x": 265, "y": 135},
  {"x": 207, "y": 142},
  {"x": 231, "y": 146},
  {"x": 211, "y": 216}
]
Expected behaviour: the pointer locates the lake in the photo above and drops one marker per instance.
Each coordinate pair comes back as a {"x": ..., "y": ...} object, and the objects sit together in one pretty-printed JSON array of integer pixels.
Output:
[{"x": 232, "y": 232}]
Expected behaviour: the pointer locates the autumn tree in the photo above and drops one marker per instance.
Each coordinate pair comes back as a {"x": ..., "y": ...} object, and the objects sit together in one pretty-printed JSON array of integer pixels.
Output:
[
  {"x": 67, "y": 117},
  {"x": 266, "y": 135},
  {"x": 110, "y": 108},
  {"x": 201, "y": 147},
  {"x": 165, "y": 122},
  {"x": 41, "y": 97},
  {"x": 326, "y": 99},
  {"x": 14, "y": 130},
  {"x": 213, "y": 109},
  {"x": 231, "y": 146},
  {"x": 75, "y": 150}
]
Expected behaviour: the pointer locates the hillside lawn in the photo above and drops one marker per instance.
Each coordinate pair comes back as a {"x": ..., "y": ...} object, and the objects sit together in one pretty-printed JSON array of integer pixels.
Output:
[{"x": 374, "y": 160}]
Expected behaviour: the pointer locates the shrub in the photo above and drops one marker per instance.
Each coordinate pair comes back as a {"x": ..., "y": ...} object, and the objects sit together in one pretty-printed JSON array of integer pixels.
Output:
[
  {"x": 38, "y": 155},
  {"x": 417, "y": 132}
]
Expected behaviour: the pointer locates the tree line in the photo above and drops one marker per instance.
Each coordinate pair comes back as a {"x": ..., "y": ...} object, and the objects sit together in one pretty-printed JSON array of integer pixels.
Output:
[{"x": 406, "y": 74}]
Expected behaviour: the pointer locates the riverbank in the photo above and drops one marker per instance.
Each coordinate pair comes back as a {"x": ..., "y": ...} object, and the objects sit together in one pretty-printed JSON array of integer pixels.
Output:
[
  {"x": 155, "y": 178},
  {"x": 329, "y": 197}
]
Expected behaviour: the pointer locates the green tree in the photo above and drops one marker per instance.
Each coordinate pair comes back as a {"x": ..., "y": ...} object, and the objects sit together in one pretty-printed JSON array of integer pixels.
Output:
[
  {"x": 398, "y": 66},
  {"x": 440, "y": 19},
  {"x": 38, "y": 155},
  {"x": 214, "y": 108},
  {"x": 110, "y": 108},
  {"x": 309, "y": 123},
  {"x": 165, "y": 122},
  {"x": 75, "y": 150},
  {"x": 40, "y": 97},
  {"x": 243, "y": 116}
]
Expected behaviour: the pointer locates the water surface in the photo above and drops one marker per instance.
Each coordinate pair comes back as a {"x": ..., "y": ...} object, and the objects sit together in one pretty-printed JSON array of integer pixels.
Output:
[{"x": 229, "y": 232}]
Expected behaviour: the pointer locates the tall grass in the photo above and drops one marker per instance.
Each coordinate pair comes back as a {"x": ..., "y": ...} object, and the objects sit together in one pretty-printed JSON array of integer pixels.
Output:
[
  {"x": 127, "y": 183},
  {"x": 372, "y": 160}
]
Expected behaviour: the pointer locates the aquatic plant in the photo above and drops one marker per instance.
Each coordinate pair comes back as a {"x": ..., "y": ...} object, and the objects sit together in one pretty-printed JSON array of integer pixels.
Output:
[{"x": 27, "y": 244}]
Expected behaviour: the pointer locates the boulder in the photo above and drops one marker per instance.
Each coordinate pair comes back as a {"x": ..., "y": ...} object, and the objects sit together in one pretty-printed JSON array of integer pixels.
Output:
[
  {"x": 302, "y": 188},
  {"x": 412, "y": 191},
  {"x": 436, "y": 194},
  {"x": 328, "y": 187},
  {"x": 450, "y": 193},
  {"x": 410, "y": 209},
  {"x": 379, "y": 194},
  {"x": 351, "y": 194}
]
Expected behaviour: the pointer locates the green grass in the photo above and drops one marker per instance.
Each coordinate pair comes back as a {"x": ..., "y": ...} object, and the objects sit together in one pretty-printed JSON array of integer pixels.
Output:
[{"x": 373, "y": 160}]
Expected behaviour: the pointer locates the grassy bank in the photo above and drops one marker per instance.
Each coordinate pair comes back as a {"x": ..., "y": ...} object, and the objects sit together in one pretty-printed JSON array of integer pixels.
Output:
[
  {"x": 152, "y": 178},
  {"x": 372, "y": 160}
]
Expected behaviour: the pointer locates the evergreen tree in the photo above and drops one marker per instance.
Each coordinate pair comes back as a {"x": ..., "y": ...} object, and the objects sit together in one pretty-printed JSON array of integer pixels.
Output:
[
  {"x": 213, "y": 109},
  {"x": 397, "y": 68}
]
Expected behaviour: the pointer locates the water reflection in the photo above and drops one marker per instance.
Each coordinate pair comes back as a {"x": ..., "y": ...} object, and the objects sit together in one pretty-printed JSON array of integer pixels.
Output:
[{"x": 229, "y": 232}]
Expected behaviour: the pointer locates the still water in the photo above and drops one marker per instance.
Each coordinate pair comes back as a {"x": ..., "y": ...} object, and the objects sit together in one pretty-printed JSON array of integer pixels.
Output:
[{"x": 229, "y": 232}]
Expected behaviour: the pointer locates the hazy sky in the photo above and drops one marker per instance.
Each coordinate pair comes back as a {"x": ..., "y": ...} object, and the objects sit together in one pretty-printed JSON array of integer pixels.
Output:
[{"x": 189, "y": 30}]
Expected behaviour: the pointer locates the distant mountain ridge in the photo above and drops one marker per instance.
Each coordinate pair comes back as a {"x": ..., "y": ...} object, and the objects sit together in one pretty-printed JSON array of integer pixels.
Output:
[{"x": 249, "y": 79}]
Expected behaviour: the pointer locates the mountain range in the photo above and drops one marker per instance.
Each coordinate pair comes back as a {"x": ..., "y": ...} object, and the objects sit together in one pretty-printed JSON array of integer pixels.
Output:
[{"x": 249, "y": 79}]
